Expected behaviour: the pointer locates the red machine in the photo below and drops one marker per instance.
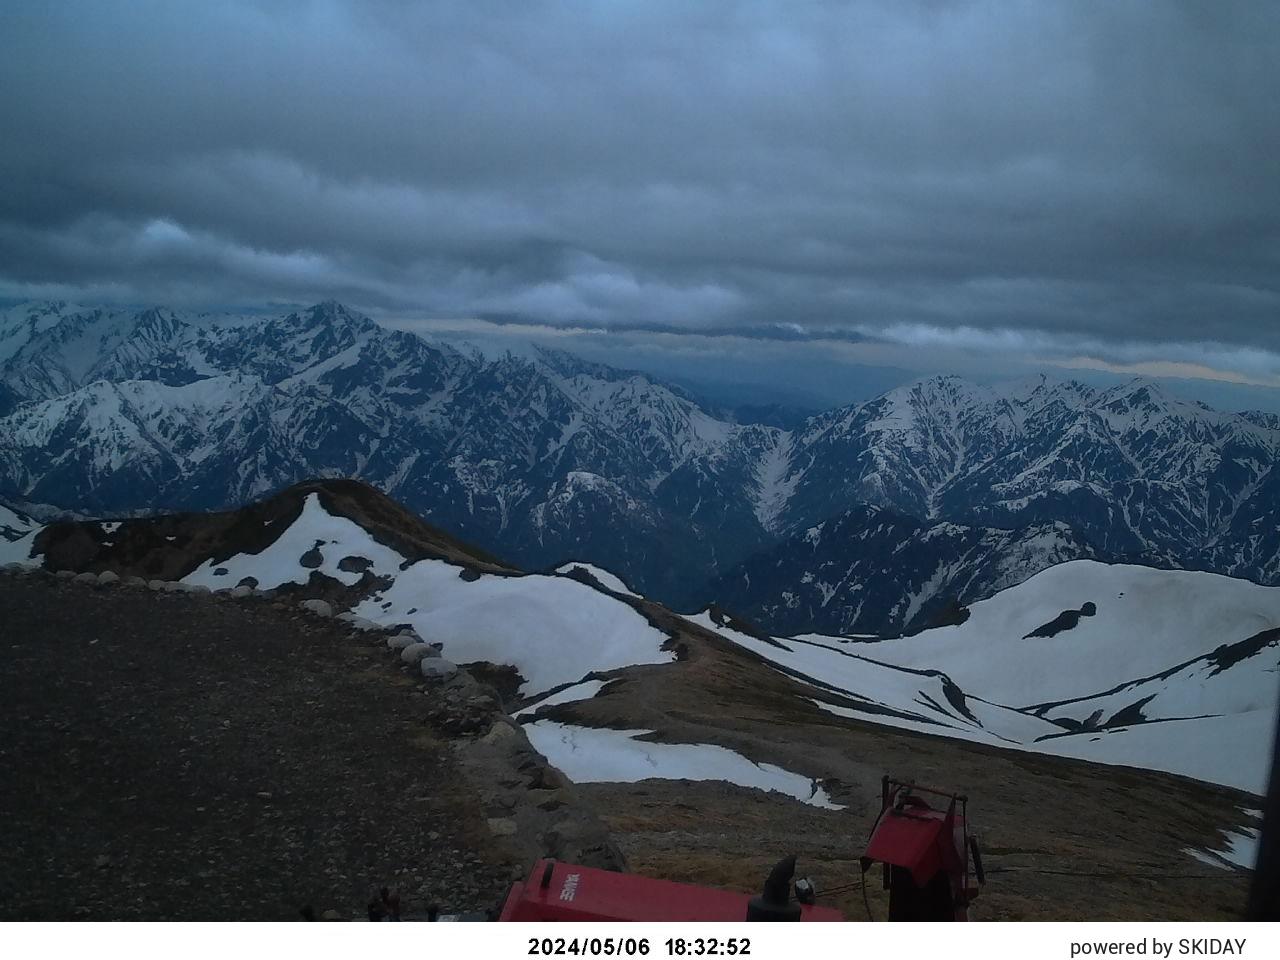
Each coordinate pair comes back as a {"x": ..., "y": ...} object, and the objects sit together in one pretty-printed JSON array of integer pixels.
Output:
[
  {"x": 563, "y": 891},
  {"x": 925, "y": 853}
]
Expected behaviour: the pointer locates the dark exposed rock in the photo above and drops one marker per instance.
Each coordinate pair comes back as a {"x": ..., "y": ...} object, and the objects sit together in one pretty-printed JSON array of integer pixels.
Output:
[
  {"x": 1066, "y": 620},
  {"x": 313, "y": 558},
  {"x": 951, "y": 614},
  {"x": 503, "y": 678}
]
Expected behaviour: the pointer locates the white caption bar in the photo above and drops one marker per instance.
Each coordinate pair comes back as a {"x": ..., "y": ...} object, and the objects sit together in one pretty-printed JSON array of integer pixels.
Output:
[{"x": 652, "y": 941}]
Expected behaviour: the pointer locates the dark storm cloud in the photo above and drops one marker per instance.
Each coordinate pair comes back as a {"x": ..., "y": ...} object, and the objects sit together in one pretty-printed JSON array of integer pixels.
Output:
[{"x": 1034, "y": 174}]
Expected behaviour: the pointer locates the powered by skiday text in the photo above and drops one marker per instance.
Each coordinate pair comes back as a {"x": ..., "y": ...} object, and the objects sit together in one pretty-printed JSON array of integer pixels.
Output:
[{"x": 1151, "y": 946}]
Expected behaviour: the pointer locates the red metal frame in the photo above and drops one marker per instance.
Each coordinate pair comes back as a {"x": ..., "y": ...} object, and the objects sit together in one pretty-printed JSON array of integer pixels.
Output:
[{"x": 921, "y": 842}]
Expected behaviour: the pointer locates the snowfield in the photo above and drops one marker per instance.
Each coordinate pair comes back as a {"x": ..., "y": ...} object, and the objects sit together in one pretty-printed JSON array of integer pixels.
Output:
[
  {"x": 1147, "y": 621},
  {"x": 1166, "y": 670},
  {"x": 553, "y": 629},
  {"x": 1232, "y": 750},
  {"x": 592, "y": 755}
]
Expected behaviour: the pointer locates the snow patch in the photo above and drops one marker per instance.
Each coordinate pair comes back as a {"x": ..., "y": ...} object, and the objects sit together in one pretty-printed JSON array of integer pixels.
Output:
[
  {"x": 594, "y": 755},
  {"x": 1241, "y": 850},
  {"x": 610, "y": 581},
  {"x": 17, "y": 538},
  {"x": 578, "y": 691}
]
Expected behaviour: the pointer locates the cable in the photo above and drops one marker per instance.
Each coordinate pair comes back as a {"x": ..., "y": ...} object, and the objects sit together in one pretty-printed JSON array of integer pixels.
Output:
[
  {"x": 846, "y": 887},
  {"x": 840, "y": 888}
]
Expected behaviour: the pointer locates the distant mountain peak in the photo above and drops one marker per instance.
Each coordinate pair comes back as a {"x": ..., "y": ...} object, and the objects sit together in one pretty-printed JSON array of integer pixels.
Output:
[
  {"x": 333, "y": 313},
  {"x": 1138, "y": 390},
  {"x": 568, "y": 364},
  {"x": 328, "y": 308}
]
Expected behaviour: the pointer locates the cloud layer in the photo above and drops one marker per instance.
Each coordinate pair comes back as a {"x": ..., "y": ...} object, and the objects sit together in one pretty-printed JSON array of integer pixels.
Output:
[{"x": 1014, "y": 176}]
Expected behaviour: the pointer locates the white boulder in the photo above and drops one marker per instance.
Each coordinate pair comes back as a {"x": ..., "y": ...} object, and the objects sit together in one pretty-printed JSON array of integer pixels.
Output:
[
  {"x": 437, "y": 668},
  {"x": 418, "y": 651},
  {"x": 319, "y": 607}
]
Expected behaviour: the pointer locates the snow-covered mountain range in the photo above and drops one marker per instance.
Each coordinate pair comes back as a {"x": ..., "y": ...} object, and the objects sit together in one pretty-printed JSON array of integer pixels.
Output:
[
  {"x": 544, "y": 459},
  {"x": 868, "y": 518}
]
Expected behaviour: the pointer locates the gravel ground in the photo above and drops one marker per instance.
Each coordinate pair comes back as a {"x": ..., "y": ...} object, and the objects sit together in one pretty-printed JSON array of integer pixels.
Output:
[{"x": 175, "y": 756}]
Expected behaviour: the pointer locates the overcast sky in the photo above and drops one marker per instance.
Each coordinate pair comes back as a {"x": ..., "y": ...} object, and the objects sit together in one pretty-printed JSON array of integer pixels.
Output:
[{"x": 1082, "y": 184}]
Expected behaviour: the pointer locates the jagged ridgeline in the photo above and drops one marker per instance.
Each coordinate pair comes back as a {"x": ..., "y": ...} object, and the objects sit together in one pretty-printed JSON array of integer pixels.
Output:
[{"x": 869, "y": 518}]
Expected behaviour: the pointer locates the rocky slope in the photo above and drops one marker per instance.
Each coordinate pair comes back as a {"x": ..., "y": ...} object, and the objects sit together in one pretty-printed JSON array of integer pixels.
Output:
[{"x": 178, "y": 755}]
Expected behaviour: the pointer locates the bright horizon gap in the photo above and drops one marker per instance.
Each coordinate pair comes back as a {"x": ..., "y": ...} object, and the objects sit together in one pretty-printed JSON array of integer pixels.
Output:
[
  {"x": 810, "y": 369},
  {"x": 1159, "y": 368}
]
